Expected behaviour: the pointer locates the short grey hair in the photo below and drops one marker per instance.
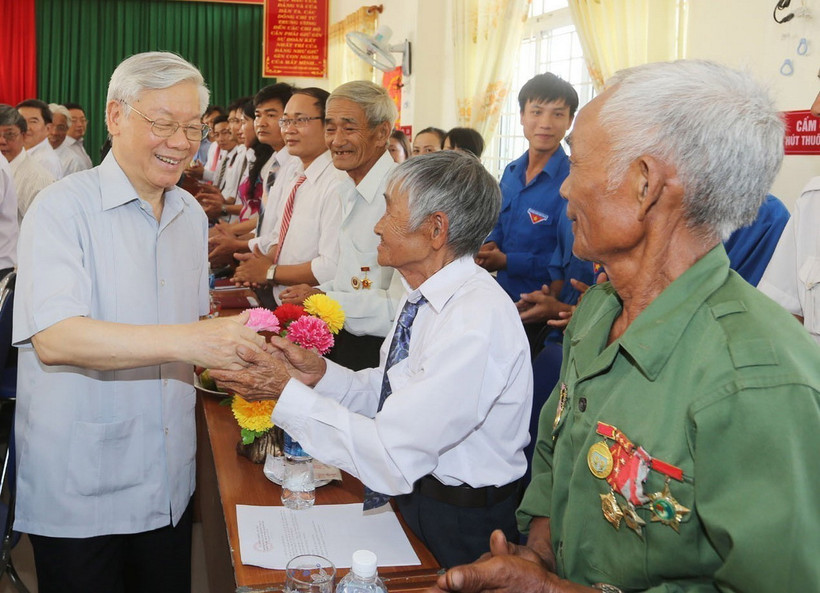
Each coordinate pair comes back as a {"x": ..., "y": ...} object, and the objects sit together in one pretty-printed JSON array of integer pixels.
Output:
[
  {"x": 154, "y": 70},
  {"x": 9, "y": 116},
  {"x": 716, "y": 125},
  {"x": 373, "y": 99},
  {"x": 457, "y": 184},
  {"x": 60, "y": 110}
]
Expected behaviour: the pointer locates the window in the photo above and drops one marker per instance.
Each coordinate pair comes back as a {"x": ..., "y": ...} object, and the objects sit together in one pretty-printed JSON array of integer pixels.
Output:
[{"x": 549, "y": 44}]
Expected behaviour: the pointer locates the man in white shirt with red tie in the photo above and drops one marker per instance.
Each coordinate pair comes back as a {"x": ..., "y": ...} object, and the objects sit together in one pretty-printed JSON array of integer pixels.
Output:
[{"x": 304, "y": 245}]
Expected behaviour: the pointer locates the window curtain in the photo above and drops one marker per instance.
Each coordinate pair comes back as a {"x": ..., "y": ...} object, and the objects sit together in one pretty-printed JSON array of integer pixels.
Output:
[
  {"x": 487, "y": 34},
  {"x": 618, "y": 34},
  {"x": 18, "y": 52},
  {"x": 82, "y": 41},
  {"x": 343, "y": 64}
]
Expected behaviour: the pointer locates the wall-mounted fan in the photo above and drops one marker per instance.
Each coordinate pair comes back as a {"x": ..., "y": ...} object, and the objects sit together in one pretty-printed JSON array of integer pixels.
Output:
[{"x": 376, "y": 50}]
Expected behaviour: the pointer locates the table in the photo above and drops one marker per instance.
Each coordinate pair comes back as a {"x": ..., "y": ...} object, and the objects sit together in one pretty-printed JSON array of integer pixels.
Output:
[{"x": 225, "y": 479}]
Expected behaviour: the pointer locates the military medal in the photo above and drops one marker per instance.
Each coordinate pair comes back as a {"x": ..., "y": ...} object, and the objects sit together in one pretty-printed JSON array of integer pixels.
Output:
[
  {"x": 363, "y": 282},
  {"x": 666, "y": 509},
  {"x": 599, "y": 460},
  {"x": 612, "y": 512},
  {"x": 632, "y": 519},
  {"x": 562, "y": 403}
]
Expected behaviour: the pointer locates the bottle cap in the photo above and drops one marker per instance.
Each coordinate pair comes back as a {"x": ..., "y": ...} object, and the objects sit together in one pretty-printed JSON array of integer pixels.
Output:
[{"x": 364, "y": 563}]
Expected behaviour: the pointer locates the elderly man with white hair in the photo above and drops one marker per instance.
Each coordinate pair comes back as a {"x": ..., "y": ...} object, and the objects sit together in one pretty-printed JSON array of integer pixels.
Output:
[
  {"x": 442, "y": 422},
  {"x": 678, "y": 451},
  {"x": 60, "y": 124},
  {"x": 113, "y": 277}
]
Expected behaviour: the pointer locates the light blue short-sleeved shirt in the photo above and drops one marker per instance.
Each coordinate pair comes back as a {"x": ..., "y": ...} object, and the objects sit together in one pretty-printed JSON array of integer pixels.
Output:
[{"x": 105, "y": 452}]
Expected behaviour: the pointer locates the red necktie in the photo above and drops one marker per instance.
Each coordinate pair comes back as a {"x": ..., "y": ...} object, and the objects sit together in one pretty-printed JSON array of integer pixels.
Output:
[{"x": 286, "y": 215}]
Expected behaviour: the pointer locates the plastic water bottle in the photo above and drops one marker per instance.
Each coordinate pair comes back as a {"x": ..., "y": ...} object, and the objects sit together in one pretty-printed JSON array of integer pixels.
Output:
[
  {"x": 362, "y": 577},
  {"x": 298, "y": 485}
]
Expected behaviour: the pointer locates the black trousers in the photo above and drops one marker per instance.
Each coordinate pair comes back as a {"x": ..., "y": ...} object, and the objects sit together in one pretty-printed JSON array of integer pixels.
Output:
[
  {"x": 457, "y": 535},
  {"x": 356, "y": 352},
  {"x": 157, "y": 561}
]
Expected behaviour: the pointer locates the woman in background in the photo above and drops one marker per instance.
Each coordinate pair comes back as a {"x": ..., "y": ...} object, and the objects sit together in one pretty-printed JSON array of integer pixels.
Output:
[
  {"x": 428, "y": 140},
  {"x": 399, "y": 146},
  {"x": 466, "y": 139}
]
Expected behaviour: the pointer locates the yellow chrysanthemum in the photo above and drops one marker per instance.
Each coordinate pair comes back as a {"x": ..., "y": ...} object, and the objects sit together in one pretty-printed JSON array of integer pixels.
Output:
[
  {"x": 326, "y": 309},
  {"x": 253, "y": 415}
]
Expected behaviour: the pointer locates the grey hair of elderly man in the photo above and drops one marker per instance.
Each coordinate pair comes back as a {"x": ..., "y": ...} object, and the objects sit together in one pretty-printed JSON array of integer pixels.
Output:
[
  {"x": 378, "y": 106},
  {"x": 154, "y": 70},
  {"x": 457, "y": 184},
  {"x": 717, "y": 126}
]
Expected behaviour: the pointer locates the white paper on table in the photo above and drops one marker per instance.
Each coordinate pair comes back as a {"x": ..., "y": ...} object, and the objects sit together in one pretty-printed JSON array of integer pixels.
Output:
[{"x": 270, "y": 536}]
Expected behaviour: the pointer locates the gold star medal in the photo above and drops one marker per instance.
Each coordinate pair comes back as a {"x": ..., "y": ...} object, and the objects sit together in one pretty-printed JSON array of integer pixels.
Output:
[
  {"x": 366, "y": 282},
  {"x": 666, "y": 509},
  {"x": 599, "y": 460},
  {"x": 612, "y": 512}
]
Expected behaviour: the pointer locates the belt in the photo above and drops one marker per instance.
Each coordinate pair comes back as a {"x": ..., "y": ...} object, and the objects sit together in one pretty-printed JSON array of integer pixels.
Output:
[{"x": 464, "y": 495}]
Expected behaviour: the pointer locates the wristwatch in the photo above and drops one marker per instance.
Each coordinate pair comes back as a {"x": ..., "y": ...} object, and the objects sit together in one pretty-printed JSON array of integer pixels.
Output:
[
  {"x": 271, "y": 273},
  {"x": 606, "y": 588}
]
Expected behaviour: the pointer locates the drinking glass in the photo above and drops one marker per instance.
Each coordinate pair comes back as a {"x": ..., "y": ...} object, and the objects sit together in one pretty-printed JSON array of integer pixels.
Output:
[{"x": 309, "y": 573}]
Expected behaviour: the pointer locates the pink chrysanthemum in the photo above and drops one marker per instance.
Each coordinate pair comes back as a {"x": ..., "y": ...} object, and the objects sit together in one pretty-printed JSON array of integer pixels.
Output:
[
  {"x": 311, "y": 333},
  {"x": 262, "y": 319}
]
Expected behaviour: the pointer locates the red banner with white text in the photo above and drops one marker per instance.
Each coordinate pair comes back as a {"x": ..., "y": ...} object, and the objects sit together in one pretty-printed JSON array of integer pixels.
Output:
[{"x": 295, "y": 38}]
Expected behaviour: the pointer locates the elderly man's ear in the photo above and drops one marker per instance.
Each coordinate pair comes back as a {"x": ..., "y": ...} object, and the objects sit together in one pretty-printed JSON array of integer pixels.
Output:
[
  {"x": 440, "y": 225},
  {"x": 656, "y": 184}
]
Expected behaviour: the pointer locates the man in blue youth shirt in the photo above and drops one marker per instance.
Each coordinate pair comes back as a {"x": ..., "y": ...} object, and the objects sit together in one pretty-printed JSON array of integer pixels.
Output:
[{"x": 522, "y": 243}]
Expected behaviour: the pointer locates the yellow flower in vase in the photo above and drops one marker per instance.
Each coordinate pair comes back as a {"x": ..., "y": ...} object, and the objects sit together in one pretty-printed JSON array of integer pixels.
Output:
[{"x": 253, "y": 417}]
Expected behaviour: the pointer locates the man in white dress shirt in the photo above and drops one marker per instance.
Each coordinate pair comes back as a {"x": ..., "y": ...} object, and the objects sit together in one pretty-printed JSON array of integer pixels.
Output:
[
  {"x": 8, "y": 219},
  {"x": 360, "y": 117},
  {"x": 303, "y": 247},
  {"x": 29, "y": 176},
  {"x": 38, "y": 120},
  {"x": 112, "y": 279},
  {"x": 442, "y": 422},
  {"x": 60, "y": 124},
  {"x": 76, "y": 132}
]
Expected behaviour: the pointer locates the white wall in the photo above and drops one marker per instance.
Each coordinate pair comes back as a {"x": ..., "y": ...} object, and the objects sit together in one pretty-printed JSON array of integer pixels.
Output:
[{"x": 742, "y": 34}]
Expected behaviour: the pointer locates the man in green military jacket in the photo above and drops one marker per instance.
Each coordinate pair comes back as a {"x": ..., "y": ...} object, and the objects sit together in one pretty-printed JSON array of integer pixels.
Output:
[{"x": 680, "y": 449}]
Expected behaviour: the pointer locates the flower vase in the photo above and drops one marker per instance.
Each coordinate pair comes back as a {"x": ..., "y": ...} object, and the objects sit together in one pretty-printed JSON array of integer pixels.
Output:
[{"x": 271, "y": 442}]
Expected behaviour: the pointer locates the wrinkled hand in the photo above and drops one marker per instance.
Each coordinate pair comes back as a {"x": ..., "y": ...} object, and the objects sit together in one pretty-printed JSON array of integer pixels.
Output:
[
  {"x": 253, "y": 268},
  {"x": 540, "y": 306},
  {"x": 490, "y": 257},
  {"x": 297, "y": 293},
  {"x": 304, "y": 365},
  {"x": 213, "y": 343},
  {"x": 507, "y": 568},
  {"x": 264, "y": 376}
]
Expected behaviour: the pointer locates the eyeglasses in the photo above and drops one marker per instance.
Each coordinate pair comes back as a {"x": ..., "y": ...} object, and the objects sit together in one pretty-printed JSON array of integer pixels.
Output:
[
  {"x": 165, "y": 129},
  {"x": 299, "y": 122},
  {"x": 10, "y": 135},
  {"x": 61, "y": 128}
]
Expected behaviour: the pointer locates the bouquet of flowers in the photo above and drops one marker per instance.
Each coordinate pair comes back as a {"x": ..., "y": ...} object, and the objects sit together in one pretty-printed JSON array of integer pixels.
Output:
[{"x": 311, "y": 326}]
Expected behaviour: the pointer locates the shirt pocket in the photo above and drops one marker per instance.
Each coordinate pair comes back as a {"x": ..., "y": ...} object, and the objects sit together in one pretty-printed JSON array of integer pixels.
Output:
[
  {"x": 106, "y": 457},
  {"x": 809, "y": 277}
]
